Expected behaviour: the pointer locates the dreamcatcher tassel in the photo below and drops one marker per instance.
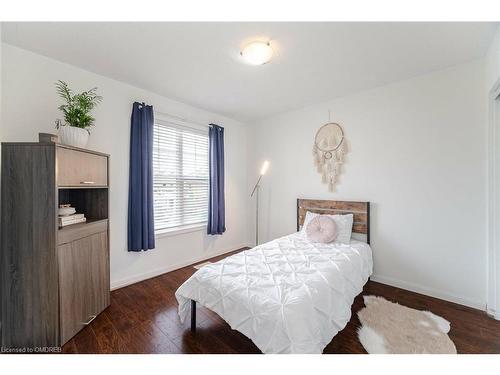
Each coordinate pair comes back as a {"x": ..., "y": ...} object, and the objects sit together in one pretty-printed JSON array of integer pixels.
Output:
[
  {"x": 342, "y": 150},
  {"x": 331, "y": 166},
  {"x": 343, "y": 147},
  {"x": 337, "y": 169},
  {"x": 323, "y": 160},
  {"x": 339, "y": 156},
  {"x": 319, "y": 162},
  {"x": 331, "y": 184}
]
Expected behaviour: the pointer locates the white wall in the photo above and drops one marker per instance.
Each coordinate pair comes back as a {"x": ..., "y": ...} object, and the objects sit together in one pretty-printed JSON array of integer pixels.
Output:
[
  {"x": 492, "y": 61},
  {"x": 30, "y": 107},
  {"x": 492, "y": 82},
  {"x": 417, "y": 152}
]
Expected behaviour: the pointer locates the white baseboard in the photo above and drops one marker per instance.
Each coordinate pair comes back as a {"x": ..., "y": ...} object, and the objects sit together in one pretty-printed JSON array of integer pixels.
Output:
[
  {"x": 117, "y": 284},
  {"x": 493, "y": 313},
  {"x": 430, "y": 292}
]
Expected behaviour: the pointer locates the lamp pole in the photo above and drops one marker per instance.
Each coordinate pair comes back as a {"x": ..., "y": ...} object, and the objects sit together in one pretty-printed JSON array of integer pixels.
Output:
[{"x": 255, "y": 191}]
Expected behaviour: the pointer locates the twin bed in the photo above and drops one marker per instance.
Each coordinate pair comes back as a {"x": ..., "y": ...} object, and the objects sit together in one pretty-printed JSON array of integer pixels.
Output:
[{"x": 288, "y": 295}]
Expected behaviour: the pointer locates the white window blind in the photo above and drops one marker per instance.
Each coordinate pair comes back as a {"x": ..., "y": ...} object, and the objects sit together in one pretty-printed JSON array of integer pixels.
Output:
[{"x": 180, "y": 175}]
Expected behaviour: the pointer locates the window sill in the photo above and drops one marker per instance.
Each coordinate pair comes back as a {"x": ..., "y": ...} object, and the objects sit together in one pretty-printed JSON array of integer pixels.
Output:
[{"x": 180, "y": 230}]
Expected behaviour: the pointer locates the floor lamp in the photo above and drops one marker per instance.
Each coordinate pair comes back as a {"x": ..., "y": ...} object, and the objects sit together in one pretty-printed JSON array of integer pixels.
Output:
[{"x": 255, "y": 191}]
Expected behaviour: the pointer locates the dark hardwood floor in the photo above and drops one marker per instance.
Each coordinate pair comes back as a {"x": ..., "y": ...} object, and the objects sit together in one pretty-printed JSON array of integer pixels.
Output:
[{"x": 143, "y": 318}]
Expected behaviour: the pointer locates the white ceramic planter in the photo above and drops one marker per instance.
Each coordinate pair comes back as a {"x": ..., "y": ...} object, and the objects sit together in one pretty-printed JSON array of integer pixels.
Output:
[{"x": 71, "y": 136}]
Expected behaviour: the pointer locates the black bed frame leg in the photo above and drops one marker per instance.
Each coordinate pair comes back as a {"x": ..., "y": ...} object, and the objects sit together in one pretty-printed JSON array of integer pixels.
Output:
[{"x": 193, "y": 316}]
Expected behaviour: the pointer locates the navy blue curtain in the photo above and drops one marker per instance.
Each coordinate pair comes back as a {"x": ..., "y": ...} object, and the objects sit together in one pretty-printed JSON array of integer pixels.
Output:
[
  {"x": 216, "y": 201},
  {"x": 141, "y": 234}
]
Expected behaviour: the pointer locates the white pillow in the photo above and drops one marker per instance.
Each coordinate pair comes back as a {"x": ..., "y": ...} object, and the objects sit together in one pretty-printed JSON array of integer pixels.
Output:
[{"x": 344, "y": 225}]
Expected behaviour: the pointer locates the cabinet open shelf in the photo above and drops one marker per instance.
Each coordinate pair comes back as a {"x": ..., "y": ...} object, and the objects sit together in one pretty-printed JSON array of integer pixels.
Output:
[{"x": 92, "y": 202}]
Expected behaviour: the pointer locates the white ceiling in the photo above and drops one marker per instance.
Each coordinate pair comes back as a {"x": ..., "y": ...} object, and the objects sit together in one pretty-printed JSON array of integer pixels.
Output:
[{"x": 199, "y": 63}]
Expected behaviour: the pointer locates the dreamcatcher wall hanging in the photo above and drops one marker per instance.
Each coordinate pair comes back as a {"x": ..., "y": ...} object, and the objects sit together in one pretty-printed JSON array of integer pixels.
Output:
[{"x": 329, "y": 151}]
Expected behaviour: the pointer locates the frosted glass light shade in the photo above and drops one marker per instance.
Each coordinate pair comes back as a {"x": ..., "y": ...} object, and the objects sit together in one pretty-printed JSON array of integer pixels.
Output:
[
  {"x": 264, "y": 168},
  {"x": 257, "y": 53}
]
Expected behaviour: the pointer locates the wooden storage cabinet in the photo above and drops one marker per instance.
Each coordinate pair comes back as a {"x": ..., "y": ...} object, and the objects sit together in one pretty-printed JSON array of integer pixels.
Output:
[
  {"x": 52, "y": 281},
  {"x": 83, "y": 282}
]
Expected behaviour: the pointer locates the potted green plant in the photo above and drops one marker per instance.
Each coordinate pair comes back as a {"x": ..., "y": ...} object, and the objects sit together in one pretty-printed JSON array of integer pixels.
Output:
[{"x": 74, "y": 129}]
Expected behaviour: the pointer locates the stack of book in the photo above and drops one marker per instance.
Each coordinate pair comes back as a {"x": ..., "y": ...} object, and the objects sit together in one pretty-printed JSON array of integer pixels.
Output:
[{"x": 71, "y": 219}]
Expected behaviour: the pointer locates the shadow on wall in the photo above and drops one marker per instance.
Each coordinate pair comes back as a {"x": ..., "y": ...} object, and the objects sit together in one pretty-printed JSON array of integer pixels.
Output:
[
  {"x": 384, "y": 247},
  {"x": 266, "y": 234},
  {"x": 209, "y": 241}
]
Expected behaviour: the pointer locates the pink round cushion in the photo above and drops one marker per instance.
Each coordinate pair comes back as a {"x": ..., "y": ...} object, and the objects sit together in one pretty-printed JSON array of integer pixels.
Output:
[{"x": 321, "y": 229}]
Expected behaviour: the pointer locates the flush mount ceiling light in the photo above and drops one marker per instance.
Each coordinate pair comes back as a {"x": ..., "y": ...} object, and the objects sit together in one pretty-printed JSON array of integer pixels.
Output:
[{"x": 257, "y": 53}]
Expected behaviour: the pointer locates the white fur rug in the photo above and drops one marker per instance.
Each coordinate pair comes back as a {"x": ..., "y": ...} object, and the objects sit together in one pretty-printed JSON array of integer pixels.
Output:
[
  {"x": 390, "y": 328},
  {"x": 198, "y": 266}
]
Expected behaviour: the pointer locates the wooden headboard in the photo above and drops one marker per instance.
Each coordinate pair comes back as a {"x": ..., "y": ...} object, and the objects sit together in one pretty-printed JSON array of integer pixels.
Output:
[{"x": 360, "y": 210}]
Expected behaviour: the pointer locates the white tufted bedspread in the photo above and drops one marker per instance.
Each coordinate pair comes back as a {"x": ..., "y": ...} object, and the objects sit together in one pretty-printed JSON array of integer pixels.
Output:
[{"x": 288, "y": 295}]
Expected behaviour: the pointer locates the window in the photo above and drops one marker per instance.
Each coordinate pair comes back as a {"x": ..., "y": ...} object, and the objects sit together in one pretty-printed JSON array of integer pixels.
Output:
[{"x": 180, "y": 175}]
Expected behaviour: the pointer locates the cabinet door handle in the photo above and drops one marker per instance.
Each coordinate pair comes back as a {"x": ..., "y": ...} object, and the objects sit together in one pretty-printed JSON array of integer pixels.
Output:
[
  {"x": 87, "y": 182},
  {"x": 91, "y": 317}
]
